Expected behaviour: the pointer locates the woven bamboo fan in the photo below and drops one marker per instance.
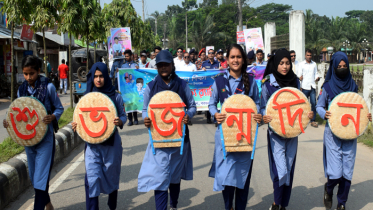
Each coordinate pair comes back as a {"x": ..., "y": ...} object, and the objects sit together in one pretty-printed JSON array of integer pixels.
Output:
[
  {"x": 166, "y": 110},
  {"x": 349, "y": 116},
  {"x": 94, "y": 115},
  {"x": 289, "y": 110},
  {"x": 25, "y": 118},
  {"x": 238, "y": 128}
]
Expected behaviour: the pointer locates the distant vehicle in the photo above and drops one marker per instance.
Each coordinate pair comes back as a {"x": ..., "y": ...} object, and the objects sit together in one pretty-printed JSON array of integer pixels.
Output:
[{"x": 78, "y": 64}]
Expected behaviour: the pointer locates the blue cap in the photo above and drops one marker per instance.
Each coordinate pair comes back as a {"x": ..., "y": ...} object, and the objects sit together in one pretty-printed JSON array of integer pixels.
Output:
[
  {"x": 192, "y": 51},
  {"x": 251, "y": 55},
  {"x": 220, "y": 51},
  {"x": 164, "y": 56}
]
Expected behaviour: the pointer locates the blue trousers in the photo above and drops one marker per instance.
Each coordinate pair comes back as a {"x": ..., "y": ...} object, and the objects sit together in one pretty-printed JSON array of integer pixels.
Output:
[
  {"x": 132, "y": 115},
  {"x": 241, "y": 194},
  {"x": 92, "y": 203},
  {"x": 312, "y": 94},
  {"x": 42, "y": 196},
  {"x": 161, "y": 197},
  {"x": 281, "y": 193},
  {"x": 343, "y": 189}
]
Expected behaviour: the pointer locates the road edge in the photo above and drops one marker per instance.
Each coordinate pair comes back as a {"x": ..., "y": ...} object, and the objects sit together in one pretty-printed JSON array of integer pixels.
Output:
[{"x": 14, "y": 177}]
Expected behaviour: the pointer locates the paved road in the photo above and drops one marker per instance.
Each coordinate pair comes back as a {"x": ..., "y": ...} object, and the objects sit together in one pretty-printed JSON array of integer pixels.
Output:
[
  {"x": 68, "y": 176},
  {"x": 5, "y": 103}
]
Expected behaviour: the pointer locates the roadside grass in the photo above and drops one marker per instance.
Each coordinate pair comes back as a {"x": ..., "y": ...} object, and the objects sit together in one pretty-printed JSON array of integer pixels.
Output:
[
  {"x": 66, "y": 117},
  {"x": 9, "y": 149},
  {"x": 319, "y": 120},
  {"x": 367, "y": 137}
]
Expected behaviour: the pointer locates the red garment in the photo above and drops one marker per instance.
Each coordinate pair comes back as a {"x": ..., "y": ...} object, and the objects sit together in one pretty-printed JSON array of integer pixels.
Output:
[
  {"x": 63, "y": 69},
  {"x": 224, "y": 64}
]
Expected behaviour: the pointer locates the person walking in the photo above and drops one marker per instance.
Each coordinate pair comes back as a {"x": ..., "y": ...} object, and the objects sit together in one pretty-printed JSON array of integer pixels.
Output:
[
  {"x": 293, "y": 61},
  {"x": 338, "y": 155},
  {"x": 307, "y": 73},
  {"x": 202, "y": 58},
  {"x": 259, "y": 58},
  {"x": 163, "y": 170},
  {"x": 143, "y": 60},
  {"x": 103, "y": 161},
  {"x": 211, "y": 63},
  {"x": 63, "y": 71},
  {"x": 232, "y": 175},
  {"x": 130, "y": 64},
  {"x": 152, "y": 63},
  {"x": 187, "y": 65},
  {"x": 223, "y": 64},
  {"x": 179, "y": 59},
  {"x": 282, "y": 152}
]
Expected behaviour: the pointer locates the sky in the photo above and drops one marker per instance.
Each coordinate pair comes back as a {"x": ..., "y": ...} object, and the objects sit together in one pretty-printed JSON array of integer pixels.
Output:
[{"x": 321, "y": 7}]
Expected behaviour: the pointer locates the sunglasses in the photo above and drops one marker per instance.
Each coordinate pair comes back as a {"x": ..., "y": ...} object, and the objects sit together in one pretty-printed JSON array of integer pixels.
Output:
[
  {"x": 293, "y": 56},
  {"x": 211, "y": 53},
  {"x": 186, "y": 57},
  {"x": 125, "y": 77},
  {"x": 179, "y": 51}
]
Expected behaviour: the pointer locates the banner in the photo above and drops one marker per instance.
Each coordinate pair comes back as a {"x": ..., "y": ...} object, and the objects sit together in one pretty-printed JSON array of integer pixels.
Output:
[
  {"x": 132, "y": 84},
  {"x": 209, "y": 48},
  {"x": 26, "y": 32},
  {"x": 240, "y": 37},
  {"x": 253, "y": 39},
  {"x": 120, "y": 40}
]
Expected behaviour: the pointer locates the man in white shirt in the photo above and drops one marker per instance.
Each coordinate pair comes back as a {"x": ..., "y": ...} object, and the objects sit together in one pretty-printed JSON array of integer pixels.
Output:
[
  {"x": 187, "y": 65},
  {"x": 178, "y": 61},
  {"x": 307, "y": 73},
  {"x": 293, "y": 61},
  {"x": 152, "y": 63}
]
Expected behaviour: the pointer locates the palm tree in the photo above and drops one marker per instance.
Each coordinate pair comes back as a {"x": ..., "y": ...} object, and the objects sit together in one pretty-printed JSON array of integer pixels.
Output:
[
  {"x": 155, "y": 15},
  {"x": 357, "y": 32},
  {"x": 201, "y": 32},
  {"x": 18, "y": 12}
]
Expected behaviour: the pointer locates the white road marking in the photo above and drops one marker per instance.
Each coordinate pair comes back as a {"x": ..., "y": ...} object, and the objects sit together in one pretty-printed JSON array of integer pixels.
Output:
[{"x": 62, "y": 178}]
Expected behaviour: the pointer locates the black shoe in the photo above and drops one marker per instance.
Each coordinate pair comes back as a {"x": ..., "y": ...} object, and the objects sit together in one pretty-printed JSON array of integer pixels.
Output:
[
  {"x": 190, "y": 122},
  {"x": 282, "y": 208},
  {"x": 274, "y": 207},
  {"x": 209, "y": 121},
  {"x": 341, "y": 207},
  {"x": 130, "y": 123},
  {"x": 328, "y": 199},
  {"x": 136, "y": 122}
]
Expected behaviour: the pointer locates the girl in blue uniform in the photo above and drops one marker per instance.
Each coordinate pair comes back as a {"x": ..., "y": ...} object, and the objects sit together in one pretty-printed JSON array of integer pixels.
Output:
[
  {"x": 103, "y": 161},
  {"x": 339, "y": 155},
  {"x": 164, "y": 170},
  {"x": 281, "y": 151},
  {"x": 40, "y": 157},
  {"x": 232, "y": 175}
]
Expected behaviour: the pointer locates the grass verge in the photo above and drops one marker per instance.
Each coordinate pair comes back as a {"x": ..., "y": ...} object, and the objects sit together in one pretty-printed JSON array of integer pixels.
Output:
[
  {"x": 8, "y": 148},
  {"x": 367, "y": 137},
  {"x": 319, "y": 120}
]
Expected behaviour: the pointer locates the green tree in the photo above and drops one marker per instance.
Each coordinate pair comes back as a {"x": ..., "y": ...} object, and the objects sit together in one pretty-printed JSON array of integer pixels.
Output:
[
  {"x": 278, "y": 13},
  {"x": 44, "y": 16},
  {"x": 68, "y": 24},
  {"x": 18, "y": 12},
  {"x": 201, "y": 30},
  {"x": 354, "y": 13}
]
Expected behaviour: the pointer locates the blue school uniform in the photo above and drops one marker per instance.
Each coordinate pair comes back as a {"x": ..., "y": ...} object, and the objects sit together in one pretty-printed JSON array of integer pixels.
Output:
[
  {"x": 338, "y": 155},
  {"x": 40, "y": 157},
  {"x": 281, "y": 151},
  {"x": 103, "y": 161},
  {"x": 234, "y": 170},
  {"x": 167, "y": 166}
]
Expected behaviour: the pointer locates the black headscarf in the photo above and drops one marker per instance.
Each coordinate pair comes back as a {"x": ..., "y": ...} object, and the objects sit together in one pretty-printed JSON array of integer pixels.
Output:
[{"x": 288, "y": 80}]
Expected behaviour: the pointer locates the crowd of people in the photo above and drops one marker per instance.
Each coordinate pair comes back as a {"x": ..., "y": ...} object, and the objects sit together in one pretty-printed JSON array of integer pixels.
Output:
[
  {"x": 306, "y": 70},
  {"x": 163, "y": 170}
]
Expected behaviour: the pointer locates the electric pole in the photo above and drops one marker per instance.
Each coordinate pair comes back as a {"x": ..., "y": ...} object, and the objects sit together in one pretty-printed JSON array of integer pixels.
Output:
[
  {"x": 240, "y": 15},
  {"x": 143, "y": 14}
]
